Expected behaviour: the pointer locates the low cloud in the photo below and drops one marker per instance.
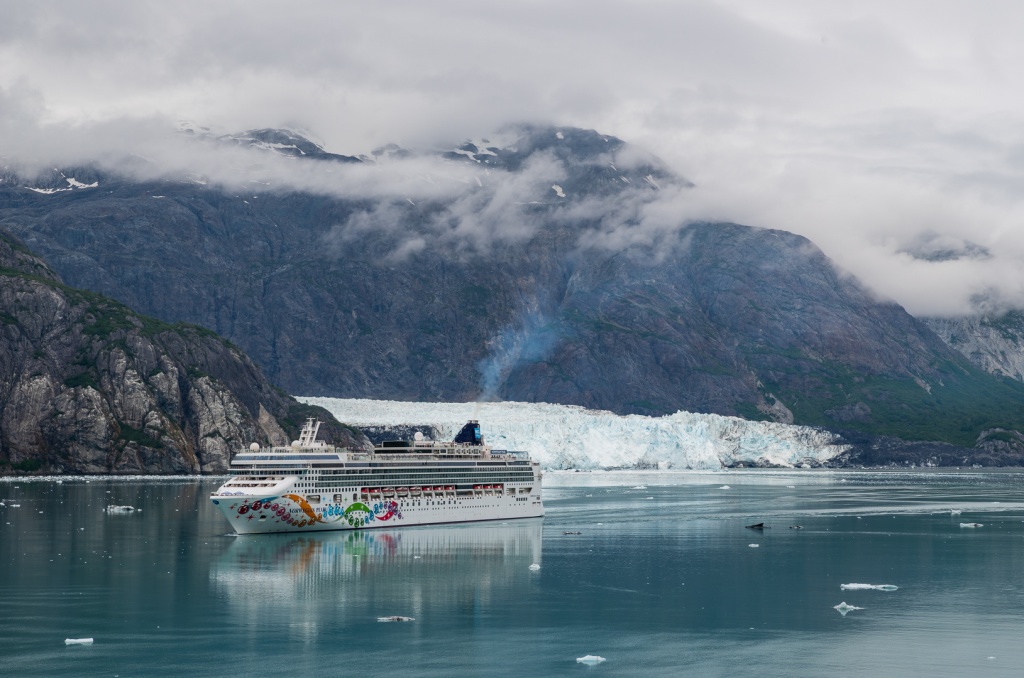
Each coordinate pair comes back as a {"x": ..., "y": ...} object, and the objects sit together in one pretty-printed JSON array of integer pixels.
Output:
[{"x": 894, "y": 143}]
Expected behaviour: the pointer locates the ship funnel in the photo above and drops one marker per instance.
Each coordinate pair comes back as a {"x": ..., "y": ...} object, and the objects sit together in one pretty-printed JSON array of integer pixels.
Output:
[{"x": 470, "y": 433}]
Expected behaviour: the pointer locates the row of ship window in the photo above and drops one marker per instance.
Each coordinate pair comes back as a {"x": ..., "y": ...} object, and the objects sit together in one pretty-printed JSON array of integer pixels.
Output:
[{"x": 460, "y": 494}]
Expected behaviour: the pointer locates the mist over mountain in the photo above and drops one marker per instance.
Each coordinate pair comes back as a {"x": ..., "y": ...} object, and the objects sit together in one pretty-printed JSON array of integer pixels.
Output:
[{"x": 540, "y": 265}]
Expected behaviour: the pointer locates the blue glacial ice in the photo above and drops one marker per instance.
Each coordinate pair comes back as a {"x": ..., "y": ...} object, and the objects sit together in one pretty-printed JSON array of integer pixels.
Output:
[{"x": 567, "y": 436}]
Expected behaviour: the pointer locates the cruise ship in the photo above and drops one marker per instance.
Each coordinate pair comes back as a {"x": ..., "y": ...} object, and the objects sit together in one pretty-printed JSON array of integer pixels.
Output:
[{"x": 311, "y": 486}]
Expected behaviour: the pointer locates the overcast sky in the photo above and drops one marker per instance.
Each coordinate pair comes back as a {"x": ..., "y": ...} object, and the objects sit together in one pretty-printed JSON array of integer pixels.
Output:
[{"x": 878, "y": 129}]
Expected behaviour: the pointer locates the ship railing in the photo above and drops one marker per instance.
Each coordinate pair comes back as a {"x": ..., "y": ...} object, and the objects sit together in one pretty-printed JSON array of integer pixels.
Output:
[{"x": 515, "y": 454}]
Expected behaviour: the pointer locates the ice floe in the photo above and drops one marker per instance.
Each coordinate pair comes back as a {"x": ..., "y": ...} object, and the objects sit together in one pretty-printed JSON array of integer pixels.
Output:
[
  {"x": 119, "y": 509},
  {"x": 396, "y": 618},
  {"x": 754, "y": 546},
  {"x": 971, "y": 525},
  {"x": 843, "y": 608},
  {"x": 535, "y": 567},
  {"x": 868, "y": 587},
  {"x": 78, "y": 641},
  {"x": 590, "y": 659}
]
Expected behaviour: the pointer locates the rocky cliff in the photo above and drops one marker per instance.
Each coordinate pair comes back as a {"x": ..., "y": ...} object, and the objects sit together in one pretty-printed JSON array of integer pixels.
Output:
[
  {"x": 88, "y": 386},
  {"x": 995, "y": 344}
]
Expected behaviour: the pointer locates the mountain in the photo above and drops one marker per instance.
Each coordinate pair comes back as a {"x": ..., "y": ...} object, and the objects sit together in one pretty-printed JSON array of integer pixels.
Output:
[
  {"x": 89, "y": 386},
  {"x": 543, "y": 265}
]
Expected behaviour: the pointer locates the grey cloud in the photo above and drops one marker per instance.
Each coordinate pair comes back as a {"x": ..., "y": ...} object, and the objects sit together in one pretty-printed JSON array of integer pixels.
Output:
[{"x": 862, "y": 126}]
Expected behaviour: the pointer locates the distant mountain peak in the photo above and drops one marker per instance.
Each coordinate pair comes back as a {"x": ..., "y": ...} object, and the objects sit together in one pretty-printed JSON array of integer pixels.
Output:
[{"x": 934, "y": 247}]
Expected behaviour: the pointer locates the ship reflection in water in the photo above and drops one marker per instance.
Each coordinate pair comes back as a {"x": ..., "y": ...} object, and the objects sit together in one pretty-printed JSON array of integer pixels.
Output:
[{"x": 330, "y": 578}]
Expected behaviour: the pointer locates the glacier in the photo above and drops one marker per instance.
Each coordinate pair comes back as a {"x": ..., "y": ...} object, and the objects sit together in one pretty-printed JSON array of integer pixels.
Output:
[{"x": 572, "y": 437}]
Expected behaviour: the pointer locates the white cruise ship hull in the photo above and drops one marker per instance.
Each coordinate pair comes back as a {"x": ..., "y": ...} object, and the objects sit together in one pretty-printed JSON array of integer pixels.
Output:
[
  {"x": 309, "y": 486},
  {"x": 288, "y": 511}
]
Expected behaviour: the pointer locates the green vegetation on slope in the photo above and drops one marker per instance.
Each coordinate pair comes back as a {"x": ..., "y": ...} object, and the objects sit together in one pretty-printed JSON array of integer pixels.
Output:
[{"x": 953, "y": 409}]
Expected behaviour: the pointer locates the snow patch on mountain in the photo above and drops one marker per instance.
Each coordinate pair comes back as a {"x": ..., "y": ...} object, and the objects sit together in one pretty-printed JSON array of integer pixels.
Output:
[
  {"x": 72, "y": 185},
  {"x": 567, "y": 436}
]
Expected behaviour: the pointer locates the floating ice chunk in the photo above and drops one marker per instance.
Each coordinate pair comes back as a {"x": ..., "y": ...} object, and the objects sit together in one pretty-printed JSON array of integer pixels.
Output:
[
  {"x": 843, "y": 608},
  {"x": 590, "y": 659},
  {"x": 954, "y": 512},
  {"x": 868, "y": 587},
  {"x": 971, "y": 525},
  {"x": 790, "y": 487},
  {"x": 639, "y": 487},
  {"x": 535, "y": 567},
  {"x": 558, "y": 190},
  {"x": 725, "y": 487},
  {"x": 644, "y": 498},
  {"x": 754, "y": 546},
  {"x": 78, "y": 641},
  {"x": 119, "y": 509},
  {"x": 396, "y": 618}
]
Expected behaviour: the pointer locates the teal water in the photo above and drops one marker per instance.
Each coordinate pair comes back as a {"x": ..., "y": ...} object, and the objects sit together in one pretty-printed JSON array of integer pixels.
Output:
[{"x": 662, "y": 581}]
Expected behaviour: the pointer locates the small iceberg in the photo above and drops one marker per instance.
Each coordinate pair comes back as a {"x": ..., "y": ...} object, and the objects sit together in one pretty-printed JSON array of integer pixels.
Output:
[
  {"x": 725, "y": 487},
  {"x": 843, "y": 608},
  {"x": 754, "y": 546},
  {"x": 639, "y": 487},
  {"x": 971, "y": 525},
  {"x": 535, "y": 567},
  {"x": 954, "y": 512},
  {"x": 868, "y": 587},
  {"x": 590, "y": 659},
  {"x": 78, "y": 641},
  {"x": 119, "y": 509},
  {"x": 396, "y": 618}
]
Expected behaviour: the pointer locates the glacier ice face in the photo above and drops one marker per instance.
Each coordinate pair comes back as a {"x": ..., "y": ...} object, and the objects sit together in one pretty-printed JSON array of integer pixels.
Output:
[{"x": 567, "y": 436}]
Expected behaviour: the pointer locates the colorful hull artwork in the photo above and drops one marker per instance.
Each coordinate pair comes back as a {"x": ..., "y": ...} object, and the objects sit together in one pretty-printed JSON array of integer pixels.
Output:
[{"x": 298, "y": 513}]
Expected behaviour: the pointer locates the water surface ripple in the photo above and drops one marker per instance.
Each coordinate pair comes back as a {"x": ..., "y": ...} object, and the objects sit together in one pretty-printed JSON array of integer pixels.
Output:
[{"x": 661, "y": 581}]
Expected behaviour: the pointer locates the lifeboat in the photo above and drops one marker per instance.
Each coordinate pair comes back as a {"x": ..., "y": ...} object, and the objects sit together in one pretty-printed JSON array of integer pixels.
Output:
[
  {"x": 388, "y": 491},
  {"x": 415, "y": 491},
  {"x": 402, "y": 491}
]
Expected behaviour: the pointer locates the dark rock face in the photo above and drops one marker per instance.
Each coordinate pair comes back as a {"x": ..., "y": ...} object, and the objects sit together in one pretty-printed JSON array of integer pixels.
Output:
[
  {"x": 88, "y": 386},
  {"x": 570, "y": 293}
]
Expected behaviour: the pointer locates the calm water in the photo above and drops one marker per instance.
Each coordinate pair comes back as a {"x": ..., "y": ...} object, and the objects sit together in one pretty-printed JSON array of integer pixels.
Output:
[{"x": 662, "y": 581}]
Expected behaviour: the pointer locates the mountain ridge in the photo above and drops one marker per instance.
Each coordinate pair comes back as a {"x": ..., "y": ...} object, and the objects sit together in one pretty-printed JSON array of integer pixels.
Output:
[{"x": 505, "y": 289}]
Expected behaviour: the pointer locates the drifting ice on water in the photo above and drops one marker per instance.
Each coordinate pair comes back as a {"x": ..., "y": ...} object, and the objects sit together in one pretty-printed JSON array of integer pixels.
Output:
[
  {"x": 313, "y": 486},
  {"x": 567, "y": 436}
]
